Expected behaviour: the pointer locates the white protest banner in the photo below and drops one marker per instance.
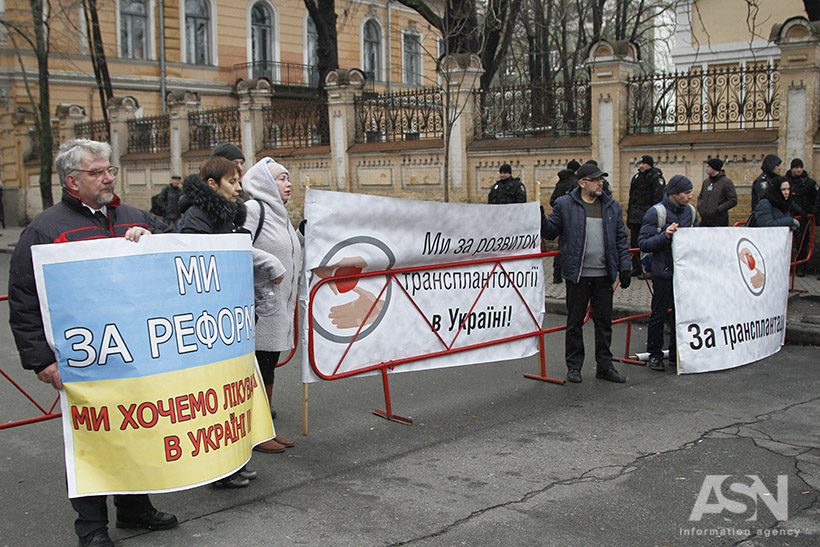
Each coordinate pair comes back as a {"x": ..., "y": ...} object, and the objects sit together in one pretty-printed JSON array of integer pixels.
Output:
[
  {"x": 155, "y": 344},
  {"x": 731, "y": 289},
  {"x": 357, "y": 324}
]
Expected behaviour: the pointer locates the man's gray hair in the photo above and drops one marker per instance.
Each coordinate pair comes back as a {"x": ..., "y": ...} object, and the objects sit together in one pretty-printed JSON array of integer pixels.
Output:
[{"x": 70, "y": 155}]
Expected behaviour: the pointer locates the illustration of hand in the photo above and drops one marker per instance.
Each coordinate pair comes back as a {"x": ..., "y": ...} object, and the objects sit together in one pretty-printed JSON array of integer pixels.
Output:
[
  {"x": 759, "y": 277},
  {"x": 350, "y": 265},
  {"x": 355, "y": 314}
]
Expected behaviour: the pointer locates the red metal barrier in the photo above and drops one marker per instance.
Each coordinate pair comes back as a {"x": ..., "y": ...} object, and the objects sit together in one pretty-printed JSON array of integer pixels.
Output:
[
  {"x": 46, "y": 414},
  {"x": 447, "y": 349}
]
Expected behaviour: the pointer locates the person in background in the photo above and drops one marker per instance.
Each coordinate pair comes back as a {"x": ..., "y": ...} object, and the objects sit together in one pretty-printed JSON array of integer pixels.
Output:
[
  {"x": 169, "y": 201},
  {"x": 776, "y": 208},
  {"x": 804, "y": 194},
  {"x": 645, "y": 190},
  {"x": 89, "y": 209},
  {"x": 269, "y": 185},
  {"x": 594, "y": 255},
  {"x": 717, "y": 195},
  {"x": 508, "y": 189},
  {"x": 770, "y": 170},
  {"x": 567, "y": 182}
]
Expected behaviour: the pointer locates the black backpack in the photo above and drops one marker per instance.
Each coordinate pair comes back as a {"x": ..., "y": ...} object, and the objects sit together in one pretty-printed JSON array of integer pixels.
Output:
[{"x": 156, "y": 206}]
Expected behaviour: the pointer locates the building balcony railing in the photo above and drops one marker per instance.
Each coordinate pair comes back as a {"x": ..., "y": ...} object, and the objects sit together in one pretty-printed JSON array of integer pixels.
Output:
[
  {"x": 277, "y": 73},
  {"x": 96, "y": 131}
]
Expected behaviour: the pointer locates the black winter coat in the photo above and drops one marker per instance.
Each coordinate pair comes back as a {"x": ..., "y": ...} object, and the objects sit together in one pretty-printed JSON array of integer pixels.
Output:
[
  {"x": 804, "y": 190},
  {"x": 567, "y": 181},
  {"x": 207, "y": 212},
  {"x": 66, "y": 221},
  {"x": 765, "y": 178},
  {"x": 509, "y": 190},
  {"x": 169, "y": 199},
  {"x": 650, "y": 240},
  {"x": 645, "y": 190}
]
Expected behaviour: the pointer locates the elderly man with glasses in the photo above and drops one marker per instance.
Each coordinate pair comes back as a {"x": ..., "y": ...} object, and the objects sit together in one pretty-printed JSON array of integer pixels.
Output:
[
  {"x": 89, "y": 209},
  {"x": 594, "y": 254}
]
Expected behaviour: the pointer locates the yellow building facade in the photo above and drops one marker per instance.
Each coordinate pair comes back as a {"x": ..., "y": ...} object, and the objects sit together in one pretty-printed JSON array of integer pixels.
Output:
[{"x": 207, "y": 46}]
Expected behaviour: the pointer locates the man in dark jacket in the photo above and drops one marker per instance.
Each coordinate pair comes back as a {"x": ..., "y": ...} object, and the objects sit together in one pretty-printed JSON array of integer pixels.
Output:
[
  {"x": 594, "y": 255},
  {"x": 717, "y": 195},
  {"x": 645, "y": 190},
  {"x": 656, "y": 238},
  {"x": 770, "y": 169},
  {"x": 804, "y": 193},
  {"x": 89, "y": 209},
  {"x": 508, "y": 189},
  {"x": 567, "y": 182},
  {"x": 169, "y": 200}
]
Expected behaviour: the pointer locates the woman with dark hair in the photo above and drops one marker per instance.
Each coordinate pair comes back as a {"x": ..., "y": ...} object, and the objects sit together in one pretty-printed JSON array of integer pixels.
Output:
[
  {"x": 211, "y": 205},
  {"x": 776, "y": 207},
  {"x": 209, "y": 201}
]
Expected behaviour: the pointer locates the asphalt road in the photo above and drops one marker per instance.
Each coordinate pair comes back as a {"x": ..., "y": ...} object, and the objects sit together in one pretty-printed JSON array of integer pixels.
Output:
[{"x": 491, "y": 459}]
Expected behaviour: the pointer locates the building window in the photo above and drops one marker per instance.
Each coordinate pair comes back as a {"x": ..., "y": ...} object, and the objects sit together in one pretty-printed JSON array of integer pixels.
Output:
[
  {"x": 133, "y": 28},
  {"x": 197, "y": 32},
  {"x": 312, "y": 54},
  {"x": 372, "y": 50},
  {"x": 412, "y": 59},
  {"x": 262, "y": 42}
]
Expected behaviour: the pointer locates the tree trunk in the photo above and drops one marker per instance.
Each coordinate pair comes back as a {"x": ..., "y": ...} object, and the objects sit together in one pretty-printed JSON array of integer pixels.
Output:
[{"x": 42, "y": 113}]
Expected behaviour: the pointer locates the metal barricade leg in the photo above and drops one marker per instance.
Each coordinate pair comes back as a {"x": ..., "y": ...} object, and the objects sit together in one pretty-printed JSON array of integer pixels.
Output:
[
  {"x": 543, "y": 362},
  {"x": 387, "y": 414}
]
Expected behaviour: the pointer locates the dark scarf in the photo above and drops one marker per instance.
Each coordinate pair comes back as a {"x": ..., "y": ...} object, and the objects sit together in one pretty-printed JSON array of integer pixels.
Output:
[{"x": 196, "y": 191}]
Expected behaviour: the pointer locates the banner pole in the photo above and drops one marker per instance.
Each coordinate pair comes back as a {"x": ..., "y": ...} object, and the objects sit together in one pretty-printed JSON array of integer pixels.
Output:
[{"x": 304, "y": 409}]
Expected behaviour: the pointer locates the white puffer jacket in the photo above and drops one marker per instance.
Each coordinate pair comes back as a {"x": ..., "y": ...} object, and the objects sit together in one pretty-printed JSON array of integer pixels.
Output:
[{"x": 277, "y": 237}]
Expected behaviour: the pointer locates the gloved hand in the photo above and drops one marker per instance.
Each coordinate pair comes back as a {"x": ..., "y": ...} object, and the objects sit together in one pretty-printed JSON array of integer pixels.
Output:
[
  {"x": 625, "y": 277},
  {"x": 795, "y": 225}
]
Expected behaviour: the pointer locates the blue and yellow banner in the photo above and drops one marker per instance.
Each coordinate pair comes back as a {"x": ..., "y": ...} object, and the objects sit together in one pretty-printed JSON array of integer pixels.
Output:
[{"x": 155, "y": 344}]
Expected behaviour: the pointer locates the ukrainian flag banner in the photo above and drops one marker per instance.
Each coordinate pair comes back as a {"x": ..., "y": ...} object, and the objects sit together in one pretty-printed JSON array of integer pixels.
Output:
[{"x": 155, "y": 345}]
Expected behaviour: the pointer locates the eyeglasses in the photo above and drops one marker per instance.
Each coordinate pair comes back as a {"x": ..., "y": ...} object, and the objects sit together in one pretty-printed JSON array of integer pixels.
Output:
[{"x": 98, "y": 173}]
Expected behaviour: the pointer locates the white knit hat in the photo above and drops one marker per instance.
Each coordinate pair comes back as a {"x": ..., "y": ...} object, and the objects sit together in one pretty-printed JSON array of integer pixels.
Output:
[{"x": 276, "y": 169}]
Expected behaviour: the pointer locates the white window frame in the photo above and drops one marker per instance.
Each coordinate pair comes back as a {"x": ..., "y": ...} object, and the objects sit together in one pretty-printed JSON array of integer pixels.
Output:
[
  {"x": 305, "y": 52},
  {"x": 150, "y": 34},
  {"x": 212, "y": 34},
  {"x": 380, "y": 29},
  {"x": 274, "y": 13},
  {"x": 420, "y": 72}
]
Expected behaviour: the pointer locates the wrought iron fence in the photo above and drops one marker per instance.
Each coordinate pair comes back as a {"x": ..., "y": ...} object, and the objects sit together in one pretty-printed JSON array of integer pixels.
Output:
[
  {"x": 407, "y": 115},
  {"x": 714, "y": 100},
  {"x": 289, "y": 74},
  {"x": 96, "y": 131},
  {"x": 295, "y": 123},
  {"x": 149, "y": 135},
  {"x": 208, "y": 127},
  {"x": 562, "y": 108}
]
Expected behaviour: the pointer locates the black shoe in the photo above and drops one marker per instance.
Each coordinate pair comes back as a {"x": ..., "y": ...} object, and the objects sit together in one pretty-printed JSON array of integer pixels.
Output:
[
  {"x": 157, "y": 520},
  {"x": 234, "y": 481},
  {"x": 557, "y": 280},
  {"x": 574, "y": 376},
  {"x": 247, "y": 474},
  {"x": 656, "y": 363},
  {"x": 272, "y": 414},
  {"x": 99, "y": 538},
  {"x": 641, "y": 275},
  {"x": 611, "y": 375}
]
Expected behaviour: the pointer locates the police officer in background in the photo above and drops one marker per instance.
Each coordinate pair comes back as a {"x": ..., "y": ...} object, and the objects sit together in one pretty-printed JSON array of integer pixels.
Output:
[
  {"x": 508, "y": 189},
  {"x": 645, "y": 190}
]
